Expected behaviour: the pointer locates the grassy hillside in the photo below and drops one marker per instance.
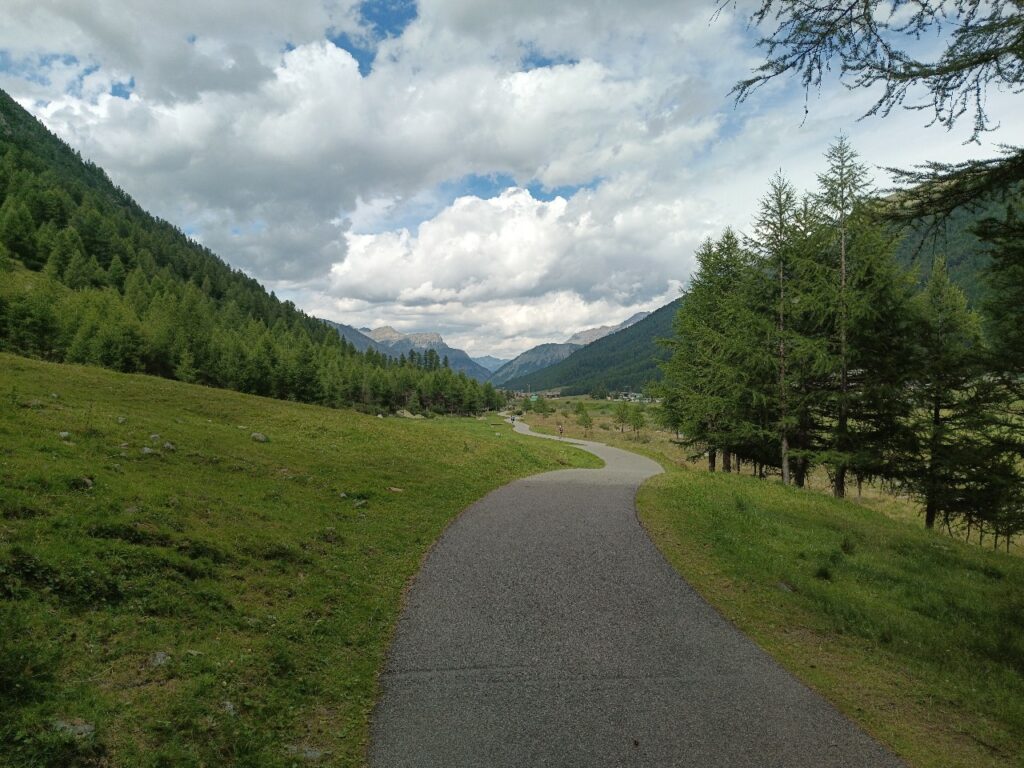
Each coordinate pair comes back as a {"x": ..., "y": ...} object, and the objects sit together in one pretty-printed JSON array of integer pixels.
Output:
[
  {"x": 87, "y": 276},
  {"x": 917, "y": 637},
  {"x": 175, "y": 593},
  {"x": 627, "y": 359}
]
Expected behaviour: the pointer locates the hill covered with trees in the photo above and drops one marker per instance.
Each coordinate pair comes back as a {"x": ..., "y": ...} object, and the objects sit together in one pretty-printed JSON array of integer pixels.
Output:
[
  {"x": 90, "y": 277},
  {"x": 626, "y": 359}
]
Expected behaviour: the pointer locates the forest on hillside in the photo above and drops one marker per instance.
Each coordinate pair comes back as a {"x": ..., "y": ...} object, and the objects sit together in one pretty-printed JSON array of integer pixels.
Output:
[{"x": 89, "y": 277}]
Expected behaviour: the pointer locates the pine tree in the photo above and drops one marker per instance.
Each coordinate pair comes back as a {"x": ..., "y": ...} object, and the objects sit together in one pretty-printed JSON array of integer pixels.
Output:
[
  {"x": 841, "y": 187},
  {"x": 116, "y": 273},
  {"x": 773, "y": 240},
  {"x": 717, "y": 352},
  {"x": 960, "y": 468},
  {"x": 17, "y": 232}
]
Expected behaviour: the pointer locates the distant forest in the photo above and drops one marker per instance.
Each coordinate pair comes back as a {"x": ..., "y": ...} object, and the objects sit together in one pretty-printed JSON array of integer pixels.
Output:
[{"x": 87, "y": 276}]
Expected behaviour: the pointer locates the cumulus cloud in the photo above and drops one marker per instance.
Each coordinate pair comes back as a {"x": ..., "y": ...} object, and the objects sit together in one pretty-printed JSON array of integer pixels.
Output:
[{"x": 339, "y": 185}]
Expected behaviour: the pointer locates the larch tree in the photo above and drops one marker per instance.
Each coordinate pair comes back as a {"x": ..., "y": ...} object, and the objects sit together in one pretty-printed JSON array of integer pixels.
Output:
[{"x": 773, "y": 242}]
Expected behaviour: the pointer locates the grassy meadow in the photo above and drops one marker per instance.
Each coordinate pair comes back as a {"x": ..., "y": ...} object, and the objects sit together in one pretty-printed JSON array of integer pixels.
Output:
[
  {"x": 917, "y": 636},
  {"x": 175, "y": 593}
]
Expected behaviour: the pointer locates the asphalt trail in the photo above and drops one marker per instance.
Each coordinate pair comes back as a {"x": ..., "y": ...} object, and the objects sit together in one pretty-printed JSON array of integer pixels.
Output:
[{"x": 545, "y": 629}]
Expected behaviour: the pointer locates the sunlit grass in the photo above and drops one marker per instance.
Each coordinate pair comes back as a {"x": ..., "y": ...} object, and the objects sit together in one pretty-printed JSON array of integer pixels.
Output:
[
  {"x": 199, "y": 598},
  {"x": 918, "y": 637}
]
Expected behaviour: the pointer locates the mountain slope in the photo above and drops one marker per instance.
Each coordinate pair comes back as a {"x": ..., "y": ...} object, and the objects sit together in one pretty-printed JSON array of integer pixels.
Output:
[
  {"x": 490, "y": 362},
  {"x": 359, "y": 340},
  {"x": 88, "y": 276},
  {"x": 532, "y": 360},
  {"x": 544, "y": 355},
  {"x": 627, "y": 359},
  {"x": 591, "y": 335},
  {"x": 966, "y": 256},
  {"x": 396, "y": 343}
]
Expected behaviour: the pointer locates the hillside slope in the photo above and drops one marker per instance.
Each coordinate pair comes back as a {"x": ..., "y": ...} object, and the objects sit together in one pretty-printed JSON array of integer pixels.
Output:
[
  {"x": 627, "y": 359},
  {"x": 966, "y": 255},
  {"x": 90, "y": 277},
  {"x": 173, "y": 592},
  {"x": 357, "y": 339},
  {"x": 533, "y": 359}
]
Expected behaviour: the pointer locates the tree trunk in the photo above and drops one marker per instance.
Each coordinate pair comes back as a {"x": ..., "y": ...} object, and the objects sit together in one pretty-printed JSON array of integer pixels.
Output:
[
  {"x": 782, "y": 375},
  {"x": 931, "y": 503},
  {"x": 839, "y": 484},
  {"x": 840, "y": 480},
  {"x": 712, "y": 456},
  {"x": 726, "y": 461},
  {"x": 800, "y": 473}
]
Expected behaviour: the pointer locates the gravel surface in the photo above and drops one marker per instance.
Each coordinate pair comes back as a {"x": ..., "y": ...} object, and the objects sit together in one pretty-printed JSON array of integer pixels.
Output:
[{"x": 546, "y": 630}]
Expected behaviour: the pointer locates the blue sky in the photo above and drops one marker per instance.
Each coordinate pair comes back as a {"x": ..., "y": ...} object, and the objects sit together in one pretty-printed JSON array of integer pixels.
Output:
[{"x": 380, "y": 20}]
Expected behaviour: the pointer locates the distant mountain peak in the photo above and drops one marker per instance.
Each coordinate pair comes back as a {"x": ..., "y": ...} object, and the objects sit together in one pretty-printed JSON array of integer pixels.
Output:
[
  {"x": 593, "y": 334},
  {"x": 386, "y": 334}
]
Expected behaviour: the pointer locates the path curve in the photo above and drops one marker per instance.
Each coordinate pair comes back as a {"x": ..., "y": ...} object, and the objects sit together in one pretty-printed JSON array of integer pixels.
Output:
[{"x": 545, "y": 629}]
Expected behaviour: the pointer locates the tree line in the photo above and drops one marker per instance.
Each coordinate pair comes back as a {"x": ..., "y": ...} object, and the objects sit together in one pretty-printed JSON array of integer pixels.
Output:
[
  {"x": 86, "y": 276},
  {"x": 805, "y": 345}
]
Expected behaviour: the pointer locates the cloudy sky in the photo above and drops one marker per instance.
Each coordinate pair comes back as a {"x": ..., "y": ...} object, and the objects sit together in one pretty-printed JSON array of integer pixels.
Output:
[{"x": 503, "y": 173}]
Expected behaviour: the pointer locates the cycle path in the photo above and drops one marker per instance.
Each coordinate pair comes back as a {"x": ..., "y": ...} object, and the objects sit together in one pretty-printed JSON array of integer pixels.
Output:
[{"x": 545, "y": 629}]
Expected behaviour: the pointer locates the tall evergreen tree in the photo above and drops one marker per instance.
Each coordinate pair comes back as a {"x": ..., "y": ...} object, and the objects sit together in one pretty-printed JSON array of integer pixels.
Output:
[
  {"x": 773, "y": 240},
  {"x": 841, "y": 187},
  {"x": 960, "y": 468}
]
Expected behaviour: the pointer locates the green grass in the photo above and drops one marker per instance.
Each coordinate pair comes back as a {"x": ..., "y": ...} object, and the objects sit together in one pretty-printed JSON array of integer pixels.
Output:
[
  {"x": 917, "y": 637},
  {"x": 227, "y": 602}
]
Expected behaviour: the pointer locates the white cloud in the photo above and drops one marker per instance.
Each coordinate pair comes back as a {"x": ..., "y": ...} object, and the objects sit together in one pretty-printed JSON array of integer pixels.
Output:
[{"x": 249, "y": 128}]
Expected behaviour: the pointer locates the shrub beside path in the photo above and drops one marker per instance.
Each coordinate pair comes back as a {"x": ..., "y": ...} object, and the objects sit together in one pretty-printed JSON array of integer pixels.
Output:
[{"x": 545, "y": 629}]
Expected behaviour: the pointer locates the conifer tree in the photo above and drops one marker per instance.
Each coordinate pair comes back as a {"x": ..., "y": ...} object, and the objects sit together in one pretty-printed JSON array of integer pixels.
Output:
[
  {"x": 773, "y": 240},
  {"x": 960, "y": 468},
  {"x": 841, "y": 187},
  {"x": 17, "y": 232}
]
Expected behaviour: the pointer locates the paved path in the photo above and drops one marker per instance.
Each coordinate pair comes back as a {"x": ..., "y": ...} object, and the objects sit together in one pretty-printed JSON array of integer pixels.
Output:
[{"x": 546, "y": 630}]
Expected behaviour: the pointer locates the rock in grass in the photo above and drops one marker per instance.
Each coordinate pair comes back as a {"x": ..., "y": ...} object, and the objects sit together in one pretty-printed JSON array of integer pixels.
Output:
[
  {"x": 169, "y": 446},
  {"x": 122, "y": 419},
  {"x": 305, "y": 752},
  {"x": 64, "y": 435},
  {"x": 76, "y": 727},
  {"x": 159, "y": 659},
  {"x": 259, "y": 437},
  {"x": 396, "y": 490},
  {"x": 147, "y": 451},
  {"x": 82, "y": 483},
  {"x": 359, "y": 503}
]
